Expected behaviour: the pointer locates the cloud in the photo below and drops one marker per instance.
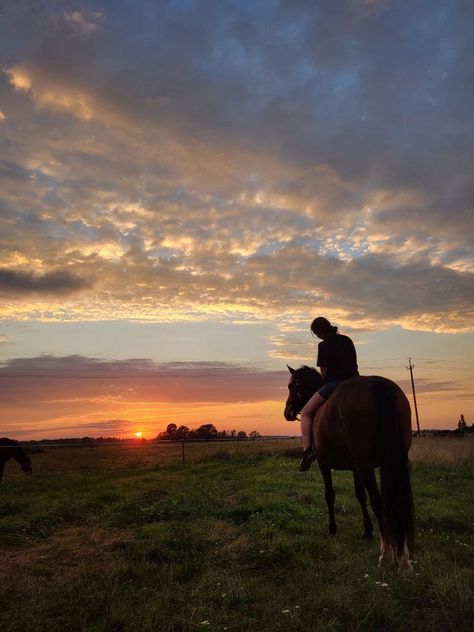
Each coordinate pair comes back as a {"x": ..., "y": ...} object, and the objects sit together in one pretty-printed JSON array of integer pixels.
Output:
[
  {"x": 84, "y": 23},
  {"x": 57, "y": 282},
  {"x": 48, "y": 93},
  {"x": 241, "y": 162},
  {"x": 169, "y": 382},
  {"x": 20, "y": 78},
  {"x": 109, "y": 427}
]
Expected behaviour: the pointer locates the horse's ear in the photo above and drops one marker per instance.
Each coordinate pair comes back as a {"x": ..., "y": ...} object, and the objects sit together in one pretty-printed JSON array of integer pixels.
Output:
[{"x": 292, "y": 371}]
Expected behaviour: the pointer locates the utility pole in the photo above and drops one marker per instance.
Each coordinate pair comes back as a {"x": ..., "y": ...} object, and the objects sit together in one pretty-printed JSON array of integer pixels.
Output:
[{"x": 410, "y": 367}]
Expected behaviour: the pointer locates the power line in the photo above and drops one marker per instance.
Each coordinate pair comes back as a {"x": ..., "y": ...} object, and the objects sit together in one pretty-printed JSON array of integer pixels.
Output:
[{"x": 120, "y": 377}]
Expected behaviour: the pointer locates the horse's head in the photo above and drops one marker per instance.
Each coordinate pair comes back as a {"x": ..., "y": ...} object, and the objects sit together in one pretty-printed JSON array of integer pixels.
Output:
[{"x": 303, "y": 384}]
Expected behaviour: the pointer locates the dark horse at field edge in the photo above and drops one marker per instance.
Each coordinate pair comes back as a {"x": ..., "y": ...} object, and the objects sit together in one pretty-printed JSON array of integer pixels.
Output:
[
  {"x": 10, "y": 449},
  {"x": 366, "y": 423}
]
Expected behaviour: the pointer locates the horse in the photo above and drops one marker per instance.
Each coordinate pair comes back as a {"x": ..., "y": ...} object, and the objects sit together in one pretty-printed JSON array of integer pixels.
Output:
[
  {"x": 365, "y": 423},
  {"x": 10, "y": 449}
]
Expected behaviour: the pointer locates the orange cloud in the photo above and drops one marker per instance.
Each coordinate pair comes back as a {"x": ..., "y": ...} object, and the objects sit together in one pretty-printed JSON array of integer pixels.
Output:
[{"x": 48, "y": 94}]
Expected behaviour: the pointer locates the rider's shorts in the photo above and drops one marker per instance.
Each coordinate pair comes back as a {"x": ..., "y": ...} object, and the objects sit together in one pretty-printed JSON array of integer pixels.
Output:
[{"x": 328, "y": 389}]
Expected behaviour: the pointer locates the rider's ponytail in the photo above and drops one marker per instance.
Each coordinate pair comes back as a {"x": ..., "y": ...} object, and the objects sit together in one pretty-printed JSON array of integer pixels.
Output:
[{"x": 322, "y": 326}]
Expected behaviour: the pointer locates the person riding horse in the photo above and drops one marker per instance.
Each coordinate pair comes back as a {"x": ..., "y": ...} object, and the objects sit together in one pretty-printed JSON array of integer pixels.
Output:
[
  {"x": 337, "y": 361},
  {"x": 365, "y": 424}
]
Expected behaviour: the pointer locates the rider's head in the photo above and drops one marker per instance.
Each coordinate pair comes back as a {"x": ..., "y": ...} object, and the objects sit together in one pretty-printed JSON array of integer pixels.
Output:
[{"x": 322, "y": 328}]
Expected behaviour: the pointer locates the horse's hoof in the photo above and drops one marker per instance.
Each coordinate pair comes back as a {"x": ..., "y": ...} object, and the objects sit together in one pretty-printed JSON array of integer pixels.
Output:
[
  {"x": 333, "y": 531},
  {"x": 405, "y": 566}
]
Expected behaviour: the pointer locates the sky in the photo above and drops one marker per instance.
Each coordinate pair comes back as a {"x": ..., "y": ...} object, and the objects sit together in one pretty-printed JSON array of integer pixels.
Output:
[{"x": 185, "y": 185}]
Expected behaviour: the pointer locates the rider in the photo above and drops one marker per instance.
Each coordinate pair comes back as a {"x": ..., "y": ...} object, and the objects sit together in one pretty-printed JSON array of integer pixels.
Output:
[{"x": 337, "y": 361}]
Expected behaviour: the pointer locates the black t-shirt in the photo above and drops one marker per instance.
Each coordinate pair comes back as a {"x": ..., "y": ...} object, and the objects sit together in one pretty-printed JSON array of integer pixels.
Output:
[{"x": 337, "y": 353}]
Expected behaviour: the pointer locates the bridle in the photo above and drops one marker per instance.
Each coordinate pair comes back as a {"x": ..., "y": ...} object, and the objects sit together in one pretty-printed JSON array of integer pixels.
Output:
[
  {"x": 298, "y": 395},
  {"x": 300, "y": 392}
]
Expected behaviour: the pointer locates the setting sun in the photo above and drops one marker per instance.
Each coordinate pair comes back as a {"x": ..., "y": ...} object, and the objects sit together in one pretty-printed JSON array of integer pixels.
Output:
[{"x": 139, "y": 435}]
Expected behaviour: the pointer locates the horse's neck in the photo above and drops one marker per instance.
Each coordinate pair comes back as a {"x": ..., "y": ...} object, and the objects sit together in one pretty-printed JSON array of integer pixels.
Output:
[
  {"x": 316, "y": 386},
  {"x": 7, "y": 452},
  {"x": 20, "y": 455}
]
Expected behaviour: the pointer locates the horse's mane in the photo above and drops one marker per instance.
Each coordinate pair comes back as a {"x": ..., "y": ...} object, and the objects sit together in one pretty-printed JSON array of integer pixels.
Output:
[
  {"x": 309, "y": 370},
  {"x": 309, "y": 375}
]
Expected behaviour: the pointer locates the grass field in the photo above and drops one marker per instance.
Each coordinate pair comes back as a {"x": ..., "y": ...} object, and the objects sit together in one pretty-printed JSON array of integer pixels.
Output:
[{"x": 129, "y": 539}]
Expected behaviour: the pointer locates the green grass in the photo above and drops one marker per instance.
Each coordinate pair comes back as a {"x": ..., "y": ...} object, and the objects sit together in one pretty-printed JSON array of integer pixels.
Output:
[{"x": 129, "y": 539}]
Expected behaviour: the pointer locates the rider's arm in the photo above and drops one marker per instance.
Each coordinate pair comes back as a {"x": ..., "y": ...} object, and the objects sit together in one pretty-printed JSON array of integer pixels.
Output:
[{"x": 324, "y": 371}]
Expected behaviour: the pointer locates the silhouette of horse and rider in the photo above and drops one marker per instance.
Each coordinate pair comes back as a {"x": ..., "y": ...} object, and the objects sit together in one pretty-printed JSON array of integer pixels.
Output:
[{"x": 357, "y": 423}]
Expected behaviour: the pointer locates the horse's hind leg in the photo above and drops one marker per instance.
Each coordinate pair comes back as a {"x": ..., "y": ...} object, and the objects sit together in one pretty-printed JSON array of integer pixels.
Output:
[
  {"x": 330, "y": 497},
  {"x": 367, "y": 476},
  {"x": 362, "y": 498}
]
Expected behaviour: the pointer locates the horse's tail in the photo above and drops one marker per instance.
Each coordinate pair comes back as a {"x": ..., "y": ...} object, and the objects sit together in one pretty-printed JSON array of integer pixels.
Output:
[{"x": 398, "y": 515}]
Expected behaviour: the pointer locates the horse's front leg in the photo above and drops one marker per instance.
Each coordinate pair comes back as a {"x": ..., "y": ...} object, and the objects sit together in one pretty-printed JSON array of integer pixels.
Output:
[
  {"x": 362, "y": 498},
  {"x": 330, "y": 496}
]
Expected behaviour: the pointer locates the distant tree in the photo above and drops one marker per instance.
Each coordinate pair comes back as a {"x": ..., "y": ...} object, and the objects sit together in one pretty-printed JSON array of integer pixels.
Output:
[
  {"x": 222, "y": 434},
  {"x": 254, "y": 434},
  {"x": 182, "y": 432},
  {"x": 171, "y": 430},
  {"x": 206, "y": 431},
  {"x": 241, "y": 435},
  {"x": 233, "y": 433}
]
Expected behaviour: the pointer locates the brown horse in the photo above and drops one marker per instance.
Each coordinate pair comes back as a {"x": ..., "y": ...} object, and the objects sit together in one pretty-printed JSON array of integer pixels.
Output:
[
  {"x": 365, "y": 423},
  {"x": 10, "y": 449}
]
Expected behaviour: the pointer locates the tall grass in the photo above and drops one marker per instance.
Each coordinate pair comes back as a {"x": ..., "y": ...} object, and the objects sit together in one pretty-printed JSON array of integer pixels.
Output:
[{"x": 443, "y": 452}]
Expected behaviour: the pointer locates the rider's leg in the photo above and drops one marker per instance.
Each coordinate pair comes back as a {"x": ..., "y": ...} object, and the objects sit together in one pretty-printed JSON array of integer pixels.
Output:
[{"x": 307, "y": 416}]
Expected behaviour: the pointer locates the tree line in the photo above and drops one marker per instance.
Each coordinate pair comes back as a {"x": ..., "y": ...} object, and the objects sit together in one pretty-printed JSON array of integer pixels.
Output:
[{"x": 206, "y": 432}]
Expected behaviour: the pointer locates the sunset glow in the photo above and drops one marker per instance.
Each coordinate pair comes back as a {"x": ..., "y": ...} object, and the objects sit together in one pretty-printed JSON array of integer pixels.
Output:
[{"x": 185, "y": 186}]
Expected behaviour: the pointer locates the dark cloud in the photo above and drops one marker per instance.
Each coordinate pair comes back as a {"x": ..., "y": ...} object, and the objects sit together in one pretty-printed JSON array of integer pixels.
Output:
[
  {"x": 78, "y": 379},
  {"x": 113, "y": 427},
  {"x": 58, "y": 282},
  {"x": 81, "y": 366}
]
